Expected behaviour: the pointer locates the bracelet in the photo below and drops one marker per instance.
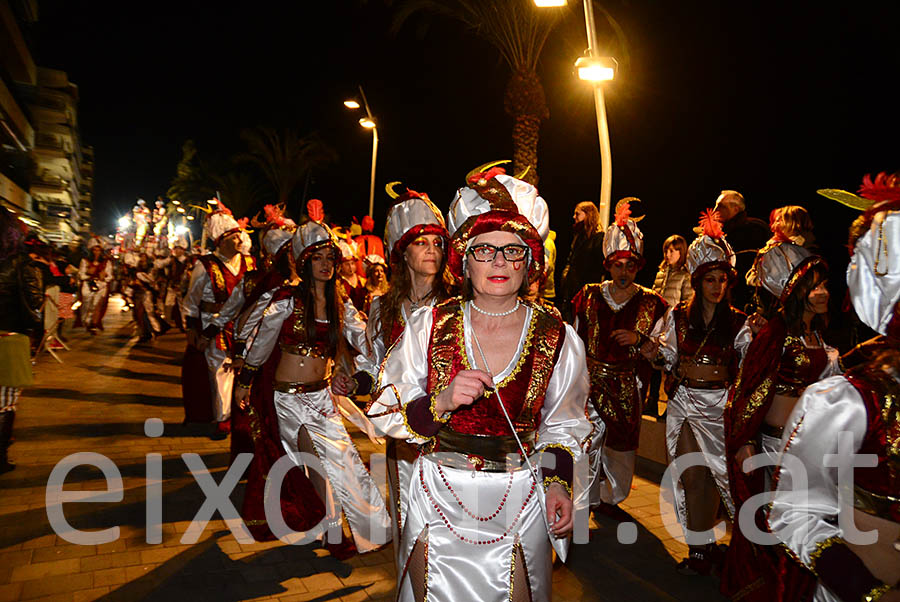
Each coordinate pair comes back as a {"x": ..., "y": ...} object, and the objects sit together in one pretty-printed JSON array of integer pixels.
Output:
[
  {"x": 555, "y": 479},
  {"x": 876, "y": 593},
  {"x": 243, "y": 386}
]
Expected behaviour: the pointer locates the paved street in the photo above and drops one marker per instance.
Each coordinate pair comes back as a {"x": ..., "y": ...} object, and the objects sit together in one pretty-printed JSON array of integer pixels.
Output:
[{"x": 98, "y": 400}]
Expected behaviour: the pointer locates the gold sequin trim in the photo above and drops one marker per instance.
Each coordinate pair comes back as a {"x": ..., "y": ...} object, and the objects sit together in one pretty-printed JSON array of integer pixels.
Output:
[
  {"x": 555, "y": 479},
  {"x": 409, "y": 428},
  {"x": 434, "y": 414},
  {"x": 876, "y": 593},
  {"x": 821, "y": 546}
]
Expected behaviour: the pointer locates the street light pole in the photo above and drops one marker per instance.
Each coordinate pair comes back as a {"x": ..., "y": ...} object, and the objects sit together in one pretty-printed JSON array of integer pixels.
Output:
[
  {"x": 602, "y": 125},
  {"x": 374, "y": 129}
]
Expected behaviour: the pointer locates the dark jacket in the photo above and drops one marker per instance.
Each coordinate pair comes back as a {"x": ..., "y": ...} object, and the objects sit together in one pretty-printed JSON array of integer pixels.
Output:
[
  {"x": 583, "y": 266},
  {"x": 746, "y": 235},
  {"x": 21, "y": 294}
]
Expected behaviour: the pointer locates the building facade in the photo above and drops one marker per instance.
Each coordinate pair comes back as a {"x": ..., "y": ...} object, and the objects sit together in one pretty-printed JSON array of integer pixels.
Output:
[{"x": 46, "y": 175}]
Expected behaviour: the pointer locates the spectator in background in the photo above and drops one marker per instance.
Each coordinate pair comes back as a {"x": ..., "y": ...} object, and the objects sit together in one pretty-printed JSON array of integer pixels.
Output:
[
  {"x": 747, "y": 235},
  {"x": 793, "y": 223},
  {"x": 585, "y": 256},
  {"x": 21, "y": 282},
  {"x": 673, "y": 283}
]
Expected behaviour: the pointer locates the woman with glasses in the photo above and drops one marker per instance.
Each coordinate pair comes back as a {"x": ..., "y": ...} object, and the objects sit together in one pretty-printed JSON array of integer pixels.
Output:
[
  {"x": 476, "y": 381},
  {"x": 288, "y": 369}
]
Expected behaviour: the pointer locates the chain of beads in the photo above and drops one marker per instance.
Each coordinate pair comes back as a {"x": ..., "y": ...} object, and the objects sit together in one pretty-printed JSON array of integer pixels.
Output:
[
  {"x": 463, "y": 538},
  {"x": 483, "y": 519}
]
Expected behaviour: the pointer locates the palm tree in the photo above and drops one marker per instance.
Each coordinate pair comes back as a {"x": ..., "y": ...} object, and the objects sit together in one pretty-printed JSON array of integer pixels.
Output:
[
  {"x": 519, "y": 33},
  {"x": 192, "y": 183},
  {"x": 285, "y": 157},
  {"x": 243, "y": 193}
]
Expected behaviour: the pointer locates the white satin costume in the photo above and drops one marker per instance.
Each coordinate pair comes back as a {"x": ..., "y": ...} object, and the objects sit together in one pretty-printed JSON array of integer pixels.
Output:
[
  {"x": 350, "y": 488},
  {"x": 469, "y": 558},
  {"x": 90, "y": 298}
]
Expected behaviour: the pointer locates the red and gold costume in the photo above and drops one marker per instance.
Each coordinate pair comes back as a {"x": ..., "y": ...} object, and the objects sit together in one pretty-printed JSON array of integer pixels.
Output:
[{"x": 619, "y": 376}]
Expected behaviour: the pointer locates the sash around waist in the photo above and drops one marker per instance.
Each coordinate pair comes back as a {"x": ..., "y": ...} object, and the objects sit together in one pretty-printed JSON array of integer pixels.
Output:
[
  {"x": 293, "y": 388},
  {"x": 484, "y": 452},
  {"x": 210, "y": 307}
]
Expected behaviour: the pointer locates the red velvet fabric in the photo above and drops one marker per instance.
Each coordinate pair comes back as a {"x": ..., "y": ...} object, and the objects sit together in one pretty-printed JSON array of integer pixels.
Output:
[
  {"x": 196, "y": 393},
  {"x": 301, "y": 507}
]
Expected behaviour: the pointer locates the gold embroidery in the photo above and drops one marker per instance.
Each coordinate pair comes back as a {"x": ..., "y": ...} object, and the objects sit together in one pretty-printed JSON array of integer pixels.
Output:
[
  {"x": 555, "y": 479},
  {"x": 549, "y": 331},
  {"x": 434, "y": 414},
  {"x": 755, "y": 401},
  {"x": 218, "y": 280},
  {"x": 876, "y": 593}
]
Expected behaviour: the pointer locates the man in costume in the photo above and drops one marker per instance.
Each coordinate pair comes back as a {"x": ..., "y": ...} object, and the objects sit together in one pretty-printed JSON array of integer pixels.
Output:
[
  {"x": 367, "y": 243},
  {"x": 855, "y": 413},
  {"x": 207, "y": 393},
  {"x": 614, "y": 319},
  {"x": 141, "y": 217},
  {"x": 478, "y": 380}
]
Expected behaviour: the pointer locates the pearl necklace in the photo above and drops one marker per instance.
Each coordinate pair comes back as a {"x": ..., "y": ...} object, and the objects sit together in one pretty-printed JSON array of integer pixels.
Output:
[{"x": 499, "y": 314}]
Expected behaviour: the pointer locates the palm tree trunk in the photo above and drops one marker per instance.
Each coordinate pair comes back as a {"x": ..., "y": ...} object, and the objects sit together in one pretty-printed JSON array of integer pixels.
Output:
[{"x": 526, "y": 103}]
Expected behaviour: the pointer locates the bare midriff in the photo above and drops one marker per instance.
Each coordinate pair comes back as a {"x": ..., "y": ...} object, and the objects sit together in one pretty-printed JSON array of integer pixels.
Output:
[
  {"x": 705, "y": 372},
  {"x": 301, "y": 368},
  {"x": 780, "y": 410}
]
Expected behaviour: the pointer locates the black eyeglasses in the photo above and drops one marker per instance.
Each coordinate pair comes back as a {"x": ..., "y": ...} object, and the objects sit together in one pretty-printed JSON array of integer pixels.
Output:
[{"x": 485, "y": 252}]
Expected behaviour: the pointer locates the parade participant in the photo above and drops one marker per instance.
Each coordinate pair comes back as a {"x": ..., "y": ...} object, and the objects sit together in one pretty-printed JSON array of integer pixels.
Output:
[
  {"x": 785, "y": 357},
  {"x": 290, "y": 363},
  {"x": 417, "y": 240},
  {"x": 206, "y": 380},
  {"x": 95, "y": 273},
  {"x": 701, "y": 341},
  {"x": 376, "y": 279},
  {"x": 861, "y": 404},
  {"x": 159, "y": 219},
  {"x": 141, "y": 217},
  {"x": 174, "y": 275},
  {"x": 367, "y": 243},
  {"x": 444, "y": 382},
  {"x": 351, "y": 283},
  {"x": 614, "y": 319}
]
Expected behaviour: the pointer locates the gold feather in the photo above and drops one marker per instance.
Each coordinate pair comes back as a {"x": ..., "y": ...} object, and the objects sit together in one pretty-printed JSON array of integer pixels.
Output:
[
  {"x": 389, "y": 189},
  {"x": 485, "y": 167},
  {"x": 846, "y": 198}
]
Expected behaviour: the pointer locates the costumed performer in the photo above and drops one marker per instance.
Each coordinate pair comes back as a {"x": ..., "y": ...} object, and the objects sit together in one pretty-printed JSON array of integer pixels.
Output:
[
  {"x": 95, "y": 273},
  {"x": 475, "y": 528}
]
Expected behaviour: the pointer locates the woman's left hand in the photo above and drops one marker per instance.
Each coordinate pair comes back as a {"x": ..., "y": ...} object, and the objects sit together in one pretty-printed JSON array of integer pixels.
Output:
[
  {"x": 559, "y": 510},
  {"x": 756, "y": 323},
  {"x": 625, "y": 338},
  {"x": 342, "y": 384}
]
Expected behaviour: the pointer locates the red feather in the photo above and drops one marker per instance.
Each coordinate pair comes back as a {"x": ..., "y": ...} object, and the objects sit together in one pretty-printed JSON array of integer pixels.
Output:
[
  {"x": 316, "y": 210},
  {"x": 368, "y": 224},
  {"x": 486, "y": 175},
  {"x": 221, "y": 208},
  {"x": 243, "y": 222},
  {"x": 623, "y": 212},
  {"x": 274, "y": 215},
  {"x": 886, "y": 187},
  {"x": 711, "y": 223}
]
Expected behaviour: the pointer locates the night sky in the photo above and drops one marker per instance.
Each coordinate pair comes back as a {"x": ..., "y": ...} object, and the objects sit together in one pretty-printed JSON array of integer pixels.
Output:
[{"x": 772, "y": 99}]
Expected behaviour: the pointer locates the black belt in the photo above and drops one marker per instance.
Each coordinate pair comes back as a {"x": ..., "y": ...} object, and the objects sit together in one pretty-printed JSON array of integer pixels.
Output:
[{"x": 484, "y": 452}]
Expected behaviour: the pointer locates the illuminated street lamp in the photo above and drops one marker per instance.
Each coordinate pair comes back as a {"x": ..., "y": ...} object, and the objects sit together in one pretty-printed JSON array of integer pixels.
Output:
[
  {"x": 595, "y": 69},
  {"x": 180, "y": 210},
  {"x": 368, "y": 122}
]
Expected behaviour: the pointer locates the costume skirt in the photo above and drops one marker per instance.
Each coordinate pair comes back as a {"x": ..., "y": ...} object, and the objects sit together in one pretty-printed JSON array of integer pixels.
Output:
[
  {"x": 348, "y": 485},
  {"x": 701, "y": 411},
  {"x": 469, "y": 558}
]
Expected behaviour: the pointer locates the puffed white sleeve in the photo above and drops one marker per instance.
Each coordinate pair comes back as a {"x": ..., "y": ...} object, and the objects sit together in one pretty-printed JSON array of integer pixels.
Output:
[
  {"x": 231, "y": 307},
  {"x": 108, "y": 272},
  {"x": 664, "y": 333},
  {"x": 743, "y": 339},
  {"x": 269, "y": 329},
  {"x": 373, "y": 351},
  {"x": 250, "y": 317},
  {"x": 804, "y": 511},
  {"x": 82, "y": 270},
  {"x": 190, "y": 306},
  {"x": 564, "y": 423},
  {"x": 403, "y": 379},
  {"x": 833, "y": 368},
  {"x": 354, "y": 327}
]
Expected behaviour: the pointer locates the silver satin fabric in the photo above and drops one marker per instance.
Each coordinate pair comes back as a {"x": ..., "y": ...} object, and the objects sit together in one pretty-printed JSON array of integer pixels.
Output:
[
  {"x": 404, "y": 216},
  {"x": 350, "y": 487},
  {"x": 773, "y": 266},
  {"x": 700, "y": 410},
  {"x": 309, "y": 234},
  {"x": 706, "y": 249},
  {"x": 875, "y": 291},
  {"x": 458, "y": 570},
  {"x": 804, "y": 511},
  {"x": 468, "y": 202}
]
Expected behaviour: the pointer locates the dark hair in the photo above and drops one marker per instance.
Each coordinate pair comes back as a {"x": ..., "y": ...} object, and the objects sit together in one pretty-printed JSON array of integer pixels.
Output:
[
  {"x": 333, "y": 311},
  {"x": 677, "y": 241},
  {"x": 721, "y": 321},
  {"x": 400, "y": 287},
  {"x": 795, "y": 304}
]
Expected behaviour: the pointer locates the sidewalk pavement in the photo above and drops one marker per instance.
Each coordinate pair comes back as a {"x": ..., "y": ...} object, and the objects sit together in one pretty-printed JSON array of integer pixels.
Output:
[{"x": 98, "y": 400}]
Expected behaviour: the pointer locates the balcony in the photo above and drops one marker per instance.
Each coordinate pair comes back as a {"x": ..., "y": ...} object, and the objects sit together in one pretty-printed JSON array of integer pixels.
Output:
[{"x": 50, "y": 147}]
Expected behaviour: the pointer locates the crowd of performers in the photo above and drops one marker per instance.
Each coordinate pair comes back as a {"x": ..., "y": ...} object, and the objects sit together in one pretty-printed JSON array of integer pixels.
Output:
[
  {"x": 488, "y": 399},
  {"x": 440, "y": 342}
]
